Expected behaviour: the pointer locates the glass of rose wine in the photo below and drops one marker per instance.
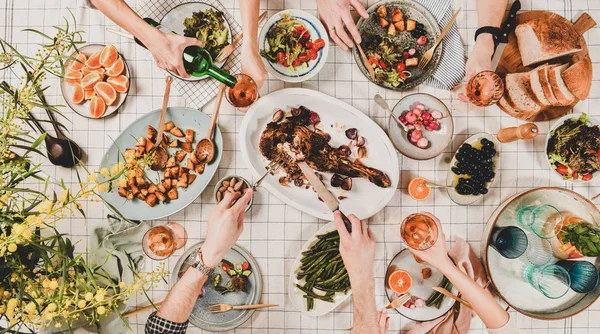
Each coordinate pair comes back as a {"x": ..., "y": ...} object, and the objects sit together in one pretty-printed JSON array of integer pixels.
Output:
[
  {"x": 485, "y": 88},
  {"x": 162, "y": 241},
  {"x": 243, "y": 93},
  {"x": 419, "y": 231}
]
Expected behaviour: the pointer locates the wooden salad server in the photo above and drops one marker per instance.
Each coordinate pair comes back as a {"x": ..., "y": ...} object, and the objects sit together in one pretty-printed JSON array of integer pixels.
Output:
[{"x": 523, "y": 131}]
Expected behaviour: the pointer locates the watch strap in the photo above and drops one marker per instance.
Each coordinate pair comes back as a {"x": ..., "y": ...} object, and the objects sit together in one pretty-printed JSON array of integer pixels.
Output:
[
  {"x": 199, "y": 263},
  {"x": 500, "y": 35}
]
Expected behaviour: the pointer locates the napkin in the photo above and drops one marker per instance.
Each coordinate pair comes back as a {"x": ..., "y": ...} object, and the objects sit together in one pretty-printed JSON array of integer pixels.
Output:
[
  {"x": 458, "y": 319},
  {"x": 196, "y": 93},
  {"x": 451, "y": 69}
]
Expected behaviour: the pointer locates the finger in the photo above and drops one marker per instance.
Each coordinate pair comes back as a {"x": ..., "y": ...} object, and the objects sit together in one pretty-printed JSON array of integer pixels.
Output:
[
  {"x": 343, "y": 35},
  {"x": 463, "y": 97},
  {"x": 242, "y": 203},
  {"x": 360, "y": 9},
  {"x": 181, "y": 71},
  {"x": 356, "y": 225},
  {"x": 370, "y": 233},
  {"x": 364, "y": 228},
  {"x": 351, "y": 26},
  {"x": 227, "y": 201},
  {"x": 339, "y": 225},
  {"x": 337, "y": 40}
]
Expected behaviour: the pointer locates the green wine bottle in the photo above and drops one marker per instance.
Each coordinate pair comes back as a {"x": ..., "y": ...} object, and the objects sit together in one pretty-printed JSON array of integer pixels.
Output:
[{"x": 196, "y": 60}]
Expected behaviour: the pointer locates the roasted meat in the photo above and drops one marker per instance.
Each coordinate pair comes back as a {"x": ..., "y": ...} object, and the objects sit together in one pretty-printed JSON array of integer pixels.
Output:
[{"x": 313, "y": 147}]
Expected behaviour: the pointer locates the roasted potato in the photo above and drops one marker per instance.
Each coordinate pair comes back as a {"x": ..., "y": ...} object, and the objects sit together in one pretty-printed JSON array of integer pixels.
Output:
[
  {"x": 383, "y": 22},
  {"x": 200, "y": 168},
  {"x": 187, "y": 147},
  {"x": 191, "y": 178},
  {"x": 392, "y": 30},
  {"x": 141, "y": 142},
  {"x": 382, "y": 11},
  {"x": 152, "y": 188},
  {"x": 397, "y": 15},
  {"x": 171, "y": 162},
  {"x": 161, "y": 196},
  {"x": 189, "y": 136},
  {"x": 399, "y": 25},
  {"x": 174, "y": 143},
  {"x": 122, "y": 192},
  {"x": 151, "y": 200},
  {"x": 172, "y": 194},
  {"x": 411, "y": 25},
  {"x": 169, "y": 125},
  {"x": 176, "y": 132}
]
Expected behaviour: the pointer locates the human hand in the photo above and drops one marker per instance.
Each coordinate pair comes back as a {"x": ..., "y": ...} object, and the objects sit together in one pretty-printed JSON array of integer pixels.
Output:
[
  {"x": 252, "y": 64},
  {"x": 225, "y": 224},
  {"x": 479, "y": 60},
  {"x": 335, "y": 15},
  {"x": 357, "y": 249},
  {"x": 167, "y": 50},
  {"x": 383, "y": 322},
  {"x": 436, "y": 255}
]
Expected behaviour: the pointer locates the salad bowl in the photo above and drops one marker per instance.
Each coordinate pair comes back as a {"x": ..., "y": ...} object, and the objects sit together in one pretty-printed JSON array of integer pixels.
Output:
[{"x": 314, "y": 27}]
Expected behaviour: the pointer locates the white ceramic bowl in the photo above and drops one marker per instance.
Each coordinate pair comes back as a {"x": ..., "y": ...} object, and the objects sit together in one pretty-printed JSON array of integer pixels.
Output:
[
  {"x": 556, "y": 125},
  {"x": 316, "y": 30}
]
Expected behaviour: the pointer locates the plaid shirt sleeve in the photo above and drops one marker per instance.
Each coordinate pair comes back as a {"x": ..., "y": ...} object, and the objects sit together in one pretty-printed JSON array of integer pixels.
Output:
[{"x": 158, "y": 325}]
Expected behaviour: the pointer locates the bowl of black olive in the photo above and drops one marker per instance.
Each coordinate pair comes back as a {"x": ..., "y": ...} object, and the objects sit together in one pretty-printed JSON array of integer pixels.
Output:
[{"x": 473, "y": 168}]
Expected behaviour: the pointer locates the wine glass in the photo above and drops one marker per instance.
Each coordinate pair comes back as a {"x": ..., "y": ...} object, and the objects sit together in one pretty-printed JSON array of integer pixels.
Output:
[
  {"x": 485, "y": 88},
  {"x": 244, "y": 93},
  {"x": 419, "y": 231},
  {"x": 162, "y": 241}
]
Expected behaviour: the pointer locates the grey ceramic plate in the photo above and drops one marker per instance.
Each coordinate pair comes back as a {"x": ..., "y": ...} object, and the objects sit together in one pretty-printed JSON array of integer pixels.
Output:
[
  {"x": 185, "y": 118},
  {"x": 218, "y": 322},
  {"x": 438, "y": 139},
  {"x": 83, "y": 109},
  {"x": 173, "y": 20},
  {"x": 411, "y": 10},
  {"x": 421, "y": 287}
]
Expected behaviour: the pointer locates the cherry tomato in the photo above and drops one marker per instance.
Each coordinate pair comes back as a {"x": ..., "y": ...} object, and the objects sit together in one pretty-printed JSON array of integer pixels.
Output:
[
  {"x": 296, "y": 62},
  {"x": 245, "y": 265},
  {"x": 599, "y": 155},
  {"x": 308, "y": 44},
  {"x": 280, "y": 57},
  {"x": 562, "y": 169},
  {"x": 226, "y": 268},
  {"x": 575, "y": 175},
  {"x": 400, "y": 67},
  {"x": 305, "y": 36},
  {"x": 587, "y": 177},
  {"x": 405, "y": 55},
  {"x": 374, "y": 61},
  {"x": 285, "y": 63},
  {"x": 299, "y": 29},
  {"x": 318, "y": 43},
  {"x": 382, "y": 64},
  {"x": 303, "y": 57},
  {"x": 312, "y": 54}
]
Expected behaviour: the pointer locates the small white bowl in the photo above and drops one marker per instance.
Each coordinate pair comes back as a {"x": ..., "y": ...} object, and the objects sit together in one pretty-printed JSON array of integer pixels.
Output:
[
  {"x": 239, "y": 178},
  {"x": 556, "y": 125},
  {"x": 316, "y": 30}
]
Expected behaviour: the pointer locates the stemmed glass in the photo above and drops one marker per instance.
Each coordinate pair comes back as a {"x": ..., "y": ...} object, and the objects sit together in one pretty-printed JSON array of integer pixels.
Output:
[
  {"x": 162, "y": 241},
  {"x": 419, "y": 231},
  {"x": 485, "y": 88},
  {"x": 244, "y": 93}
]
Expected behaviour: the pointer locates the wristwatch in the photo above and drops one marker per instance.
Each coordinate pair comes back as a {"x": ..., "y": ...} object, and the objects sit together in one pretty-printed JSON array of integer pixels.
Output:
[
  {"x": 500, "y": 35},
  {"x": 199, "y": 263}
]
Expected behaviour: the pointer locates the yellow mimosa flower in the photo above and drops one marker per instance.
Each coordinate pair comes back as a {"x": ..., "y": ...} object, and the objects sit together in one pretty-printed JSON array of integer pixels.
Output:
[
  {"x": 102, "y": 188},
  {"x": 92, "y": 178},
  {"x": 81, "y": 303},
  {"x": 12, "y": 248},
  {"x": 88, "y": 296},
  {"x": 104, "y": 172},
  {"x": 101, "y": 310}
]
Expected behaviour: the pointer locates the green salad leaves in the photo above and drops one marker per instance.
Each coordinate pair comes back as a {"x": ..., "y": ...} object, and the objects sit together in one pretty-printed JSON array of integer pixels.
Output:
[{"x": 209, "y": 27}]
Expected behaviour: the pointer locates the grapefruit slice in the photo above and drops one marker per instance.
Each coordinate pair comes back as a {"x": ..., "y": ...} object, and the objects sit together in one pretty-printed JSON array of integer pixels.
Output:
[
  {"x": 106, "y": 92},
  {"x": 418, "y": 189},
  {"x": 78, "y": 94},
  {"x": 400, "y": 282},
  {"x": 120, "y": 83},
  {"x": 116, "y": 69},
  {"x": 109, "y": 56},
  {"x": 93, "y": 61},
  {"x": 97, "y": 107},
  {"x": 90, "y": 80},
  {"x": 77, "y": 65},
  {"x": 88, "y": 94}
]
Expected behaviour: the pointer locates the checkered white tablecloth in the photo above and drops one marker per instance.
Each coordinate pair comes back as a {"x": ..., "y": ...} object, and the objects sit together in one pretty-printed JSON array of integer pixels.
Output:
[{"x": 275, "y": 232}]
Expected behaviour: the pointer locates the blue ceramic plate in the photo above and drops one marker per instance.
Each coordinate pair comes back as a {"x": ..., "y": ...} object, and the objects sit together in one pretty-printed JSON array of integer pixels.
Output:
[
  {"x": 218, "y": 322},
  {"x": 184, "y": 118}
]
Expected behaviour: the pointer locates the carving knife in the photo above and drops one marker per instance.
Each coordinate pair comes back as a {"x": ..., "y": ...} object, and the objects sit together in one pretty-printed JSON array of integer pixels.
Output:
[{"x": 332, "y": 203}]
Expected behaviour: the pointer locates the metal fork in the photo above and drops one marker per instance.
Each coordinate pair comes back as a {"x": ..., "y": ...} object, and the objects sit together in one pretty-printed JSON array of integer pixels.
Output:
[
  {"x": 426, "y": 58},
  {"x": 228, "y": 50},
  {"x": 217, "y": 308},
  {"x": 270, "y": 167},
  {"x": 399, "y": 301}
]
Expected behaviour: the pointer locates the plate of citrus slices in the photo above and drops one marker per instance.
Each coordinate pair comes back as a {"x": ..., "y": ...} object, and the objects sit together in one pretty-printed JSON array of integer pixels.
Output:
[{"x": 96, "y": 81}]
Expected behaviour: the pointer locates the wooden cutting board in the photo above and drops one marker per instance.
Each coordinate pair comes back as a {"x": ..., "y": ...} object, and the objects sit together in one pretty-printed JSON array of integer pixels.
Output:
[{"x": 510, "y": 61}]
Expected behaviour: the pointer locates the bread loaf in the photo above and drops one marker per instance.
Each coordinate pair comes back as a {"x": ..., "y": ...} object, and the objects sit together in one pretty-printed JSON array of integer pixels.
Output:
[
  {"x": 560, "y": 90},
  {"x": 520, "y": 94},
  {"x": 541, "y": 40},
  {"x": 536, "y": 86},
  {"x": 578, "y": 78}
]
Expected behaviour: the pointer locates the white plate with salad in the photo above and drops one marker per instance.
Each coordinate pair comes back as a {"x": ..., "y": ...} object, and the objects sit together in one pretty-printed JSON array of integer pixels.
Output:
[
  {"x": 293, "y": 45},
  {"x": 573, "y": 147}
]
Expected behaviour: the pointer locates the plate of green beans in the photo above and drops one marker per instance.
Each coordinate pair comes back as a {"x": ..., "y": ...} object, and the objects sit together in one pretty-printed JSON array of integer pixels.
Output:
[{"x": 319, "y": 281}]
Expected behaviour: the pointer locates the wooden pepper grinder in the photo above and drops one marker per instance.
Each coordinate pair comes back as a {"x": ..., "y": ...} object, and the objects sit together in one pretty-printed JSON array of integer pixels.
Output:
[{"x": 523, "y": 131}]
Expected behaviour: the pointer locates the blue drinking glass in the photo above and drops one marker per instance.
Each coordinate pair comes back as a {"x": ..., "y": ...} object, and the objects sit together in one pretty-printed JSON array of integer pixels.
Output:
[
  {"x": 583, "y": 274},
  {"x": 510, "y": 241}
]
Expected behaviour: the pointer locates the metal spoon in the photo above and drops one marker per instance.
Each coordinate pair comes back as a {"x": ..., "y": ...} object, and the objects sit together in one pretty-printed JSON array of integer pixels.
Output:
[
  {"x": 381, "y": 102},
  {"x": 205, "y": 149},
  {"x": 160, "y": 154}
]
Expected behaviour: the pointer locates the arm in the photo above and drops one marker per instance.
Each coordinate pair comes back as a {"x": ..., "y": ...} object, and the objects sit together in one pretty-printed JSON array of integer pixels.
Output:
[
  {"x": 225, "y": 224},
  {"x": 336, "y": 17},
  {"x": 252, "y": 65},
  {"x": 358, "y": 253},
  {"x": 483, "y": 303},
  {"x": 167, "y": 49}
]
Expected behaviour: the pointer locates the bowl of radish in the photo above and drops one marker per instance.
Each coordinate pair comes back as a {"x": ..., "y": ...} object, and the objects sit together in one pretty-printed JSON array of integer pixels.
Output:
[{"x": 429, "y": 123}]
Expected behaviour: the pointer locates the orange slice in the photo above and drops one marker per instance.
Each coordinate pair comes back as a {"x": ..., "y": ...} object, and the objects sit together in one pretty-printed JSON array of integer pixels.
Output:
[
  {"x": 400, "y": 282},
  {"x": 109, "y": 56},
  {"x": 116, "y": 69},
  {"x": 418, "y": 189},
  {"x": 78, "y": 94},
  {"x": 77, "y": 65},
  {"x": 86, "y": 70},
  {"x": 120, "y": 83},
  {"x": 90, "y": 80},
  {"x": 88, "y": 94},
  {"x": 106, "y": 92},
  {"x": 97, "y": 107},
  {"x": 93, "y": 61}
]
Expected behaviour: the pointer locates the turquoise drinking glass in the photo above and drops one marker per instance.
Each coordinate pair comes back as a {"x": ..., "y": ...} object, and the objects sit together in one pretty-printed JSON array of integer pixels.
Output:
[
  {"x": 583, "y": 274},
  {"x": 543, "y": 220},
  {"x": 552, "y": 281},
  {"x": 510, "y": 241}
]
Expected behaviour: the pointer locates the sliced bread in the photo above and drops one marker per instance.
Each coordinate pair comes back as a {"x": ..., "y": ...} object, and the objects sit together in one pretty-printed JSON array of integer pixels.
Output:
[
  {"x": 541, "y": 40},
  {"x": 559, "y": 88},
  {"x": 536, "y": 87},
  {"x": 578, "y": 78},
  {"x": 546, "y": 87},
  {"x": 519, "y": 93}
]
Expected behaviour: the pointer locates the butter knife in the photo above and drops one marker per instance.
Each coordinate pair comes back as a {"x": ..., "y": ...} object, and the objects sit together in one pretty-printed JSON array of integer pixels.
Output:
[{"x": 332, "y": 203}]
